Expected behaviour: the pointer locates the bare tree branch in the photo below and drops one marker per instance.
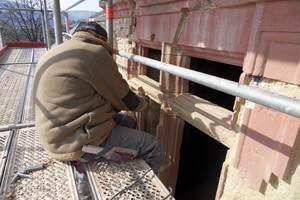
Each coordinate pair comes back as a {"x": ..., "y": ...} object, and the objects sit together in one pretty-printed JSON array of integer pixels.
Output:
[{"x": 22, "y": 20}]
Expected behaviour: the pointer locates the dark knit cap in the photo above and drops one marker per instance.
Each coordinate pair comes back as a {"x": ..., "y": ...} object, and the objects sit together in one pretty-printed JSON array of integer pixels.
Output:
[{"x": 94, "y": 26}]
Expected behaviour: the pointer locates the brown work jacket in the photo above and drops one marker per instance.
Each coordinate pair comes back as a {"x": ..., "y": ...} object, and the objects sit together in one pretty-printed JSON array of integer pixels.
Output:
[{"x": 77, "y": 87}]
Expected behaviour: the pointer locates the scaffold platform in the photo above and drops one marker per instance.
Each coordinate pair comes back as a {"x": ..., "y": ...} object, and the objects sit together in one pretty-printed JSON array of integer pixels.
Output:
[{"x": 20, "y": 147}]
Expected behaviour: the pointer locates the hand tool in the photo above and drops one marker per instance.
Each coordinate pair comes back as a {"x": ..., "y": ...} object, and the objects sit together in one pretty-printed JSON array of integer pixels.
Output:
[{"x": 23, "y": 172}]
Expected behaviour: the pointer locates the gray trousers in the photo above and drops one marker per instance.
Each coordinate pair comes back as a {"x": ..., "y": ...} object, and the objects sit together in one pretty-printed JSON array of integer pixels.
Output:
[{"x": 125, "y": 135}]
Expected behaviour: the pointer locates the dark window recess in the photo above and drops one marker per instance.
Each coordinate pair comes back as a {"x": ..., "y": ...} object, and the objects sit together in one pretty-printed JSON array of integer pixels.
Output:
[
  {"x": 222, "y": 70},
  {"x": 152, "y": 72},
  {"x": 151, "y": 121},
  {"x": 200, "y": 165}
]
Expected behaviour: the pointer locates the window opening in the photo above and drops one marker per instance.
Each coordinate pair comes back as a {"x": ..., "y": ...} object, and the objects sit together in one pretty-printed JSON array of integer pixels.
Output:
[
  {"x": 151, "y": 72},
  {"x": 222, "y": 70},
  {"x": 200, "y": 165},
  {"x": 152, "y": 114}
]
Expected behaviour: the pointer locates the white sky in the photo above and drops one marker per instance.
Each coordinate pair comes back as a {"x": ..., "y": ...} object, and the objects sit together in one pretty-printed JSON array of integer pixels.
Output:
[{"x": 87, "y": 5}]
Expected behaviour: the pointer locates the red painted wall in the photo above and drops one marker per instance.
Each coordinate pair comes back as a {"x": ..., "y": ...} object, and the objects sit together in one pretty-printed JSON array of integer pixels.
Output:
[
  {"x": 3, "y": 50},
  {"x": 262, "y": 37},
  {"x": 25, "y": 44}
]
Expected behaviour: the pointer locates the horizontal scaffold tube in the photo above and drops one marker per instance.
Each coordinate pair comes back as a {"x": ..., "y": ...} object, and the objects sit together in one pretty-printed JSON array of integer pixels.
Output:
[
  {"x": 25, "y": 63},
  {"x": 16, "y": 126},
  {"x": 271, "y": 100}
]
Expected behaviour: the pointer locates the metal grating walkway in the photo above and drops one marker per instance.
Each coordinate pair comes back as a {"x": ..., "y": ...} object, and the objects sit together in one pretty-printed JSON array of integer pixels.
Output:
[
  {"x": 55, "y": 181},
  {"x": 126, "y": 180},
  {"x": 21, "y": 148}
]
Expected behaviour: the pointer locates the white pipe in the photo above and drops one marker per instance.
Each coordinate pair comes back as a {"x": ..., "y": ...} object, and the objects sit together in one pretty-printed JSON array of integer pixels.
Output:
[
  {"x": 16, "y": 126},
  {"x": 275, "y": 101},
  {"x": 75, "y": 4}
]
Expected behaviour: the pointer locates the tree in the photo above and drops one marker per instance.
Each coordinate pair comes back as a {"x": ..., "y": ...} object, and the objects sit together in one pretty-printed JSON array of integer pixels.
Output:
[{"x": 22, "y": 20}]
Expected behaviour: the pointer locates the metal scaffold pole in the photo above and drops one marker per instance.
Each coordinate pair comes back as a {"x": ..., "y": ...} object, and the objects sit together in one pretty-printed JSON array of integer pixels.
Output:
[
  {"x": 109, "y": 21},
  {"x": 47, "y": 25},
  {"x": 275, "y": 101},
  {"x": 57, "y": 22},
  {"x": 16, "y": 126}
]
